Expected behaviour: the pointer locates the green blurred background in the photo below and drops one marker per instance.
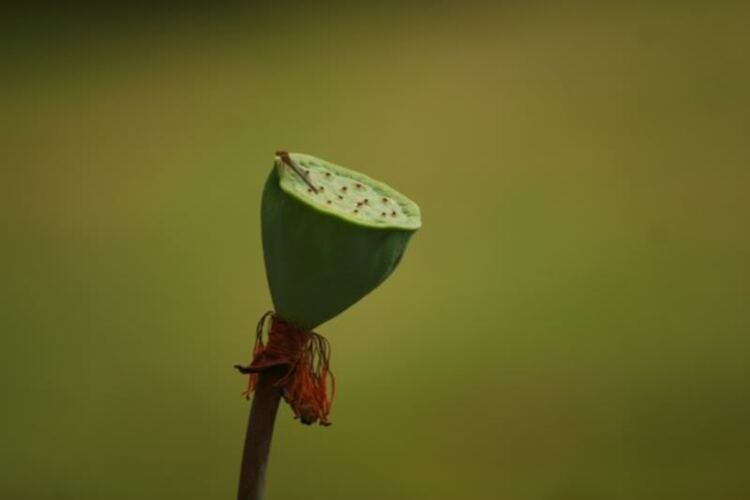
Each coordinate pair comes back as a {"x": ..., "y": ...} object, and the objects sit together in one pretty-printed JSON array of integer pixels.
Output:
[{"x": 570, "y": 323}]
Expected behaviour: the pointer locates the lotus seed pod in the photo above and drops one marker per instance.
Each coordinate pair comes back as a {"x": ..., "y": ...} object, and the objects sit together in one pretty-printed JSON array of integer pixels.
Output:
[{"x": 330, "y": 237}]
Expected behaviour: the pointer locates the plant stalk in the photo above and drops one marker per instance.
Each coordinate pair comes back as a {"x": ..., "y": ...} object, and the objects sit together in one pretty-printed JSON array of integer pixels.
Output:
[{"x": 258, "y": 435}]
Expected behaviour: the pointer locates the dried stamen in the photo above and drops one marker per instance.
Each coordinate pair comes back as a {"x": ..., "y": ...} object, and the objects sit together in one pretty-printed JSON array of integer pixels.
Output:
[{"x": 306, "y": 355}]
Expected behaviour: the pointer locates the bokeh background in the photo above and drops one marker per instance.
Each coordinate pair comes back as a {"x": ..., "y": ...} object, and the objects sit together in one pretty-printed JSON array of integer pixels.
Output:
[{"x": 571, "y": 322}]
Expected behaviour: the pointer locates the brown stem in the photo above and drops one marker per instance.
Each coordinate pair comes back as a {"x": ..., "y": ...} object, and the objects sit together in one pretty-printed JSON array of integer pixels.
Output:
[{"x": 259, "y": 433}]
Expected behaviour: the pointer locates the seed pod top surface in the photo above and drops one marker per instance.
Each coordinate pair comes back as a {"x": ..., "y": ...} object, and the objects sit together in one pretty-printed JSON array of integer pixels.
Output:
[{"x": 347, "y": 194}]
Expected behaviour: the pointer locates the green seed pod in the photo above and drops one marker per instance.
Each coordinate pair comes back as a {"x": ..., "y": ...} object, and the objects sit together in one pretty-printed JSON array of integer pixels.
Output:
[{"x": 330, "y": 236}]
